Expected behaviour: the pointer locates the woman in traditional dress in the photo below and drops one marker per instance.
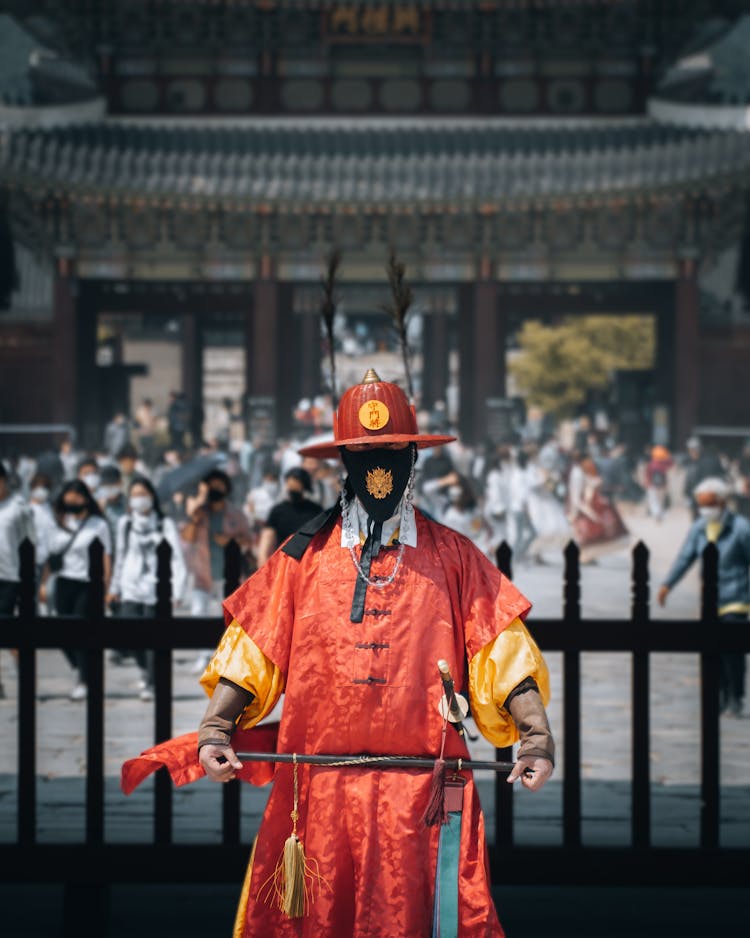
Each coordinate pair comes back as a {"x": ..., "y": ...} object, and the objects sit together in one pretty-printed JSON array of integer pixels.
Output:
[{"x": 597, "y": 526}]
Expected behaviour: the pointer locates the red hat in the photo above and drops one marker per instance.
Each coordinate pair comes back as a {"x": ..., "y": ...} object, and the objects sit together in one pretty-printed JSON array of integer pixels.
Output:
[{"x": 373, "y": 412}]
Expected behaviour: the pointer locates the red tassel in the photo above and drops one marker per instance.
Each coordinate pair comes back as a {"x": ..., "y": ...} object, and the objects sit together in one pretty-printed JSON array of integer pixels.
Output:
[{"x": 435, "y": 812}]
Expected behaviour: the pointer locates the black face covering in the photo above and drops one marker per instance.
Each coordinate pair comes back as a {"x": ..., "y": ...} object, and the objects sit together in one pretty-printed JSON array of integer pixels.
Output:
[
  {"x": 379, "y": 478},
  {"x": 73, "y": 508}
]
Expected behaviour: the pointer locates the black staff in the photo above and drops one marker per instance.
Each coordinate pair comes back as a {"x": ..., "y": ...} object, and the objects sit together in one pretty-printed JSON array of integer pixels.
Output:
[{"x": 376, "y": 762}]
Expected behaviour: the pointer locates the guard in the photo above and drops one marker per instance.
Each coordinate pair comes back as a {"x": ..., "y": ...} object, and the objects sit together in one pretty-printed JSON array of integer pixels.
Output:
[{"x": 376, "y": 623}]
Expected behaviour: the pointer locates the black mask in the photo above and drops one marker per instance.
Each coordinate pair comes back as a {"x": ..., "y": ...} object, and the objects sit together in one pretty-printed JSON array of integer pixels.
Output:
[
  {"x": 214, "y": 495},
  {"x": 379, "y": 478},
  {"x": 295, "y": 496},
  {"x": 71, "y": 508}
]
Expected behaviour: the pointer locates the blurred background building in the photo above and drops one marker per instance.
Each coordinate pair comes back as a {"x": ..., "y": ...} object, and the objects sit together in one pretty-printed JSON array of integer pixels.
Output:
[{"x": 173, "y": 174}]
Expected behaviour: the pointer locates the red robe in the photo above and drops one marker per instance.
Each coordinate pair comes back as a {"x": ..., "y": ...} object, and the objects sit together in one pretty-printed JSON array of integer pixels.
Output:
[{"x": 371, "y": 687}]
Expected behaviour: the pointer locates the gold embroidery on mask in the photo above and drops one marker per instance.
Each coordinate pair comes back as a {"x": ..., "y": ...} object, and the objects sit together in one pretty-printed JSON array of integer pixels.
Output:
[{"x": 379, "y": 482}]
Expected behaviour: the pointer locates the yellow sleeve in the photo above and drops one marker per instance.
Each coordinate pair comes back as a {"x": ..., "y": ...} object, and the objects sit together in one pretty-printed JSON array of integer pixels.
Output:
[
  {"x": 493, "y": 673},
  {"x": 238, "y": 659}
]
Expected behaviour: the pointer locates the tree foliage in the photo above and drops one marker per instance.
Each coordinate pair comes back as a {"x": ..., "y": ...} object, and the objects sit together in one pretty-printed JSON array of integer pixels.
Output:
[{"x": 559, "y": 364}]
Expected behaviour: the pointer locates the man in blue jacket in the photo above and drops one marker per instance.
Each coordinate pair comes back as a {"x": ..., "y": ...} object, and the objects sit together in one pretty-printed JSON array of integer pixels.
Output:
[{"x": 731, "y": 533}]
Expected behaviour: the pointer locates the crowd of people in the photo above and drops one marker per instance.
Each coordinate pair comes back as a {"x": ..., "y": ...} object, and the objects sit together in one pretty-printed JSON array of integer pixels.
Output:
[{"x": 534, "y": 494}]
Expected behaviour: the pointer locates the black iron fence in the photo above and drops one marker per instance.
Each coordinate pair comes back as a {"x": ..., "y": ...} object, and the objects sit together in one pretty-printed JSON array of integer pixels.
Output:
[{"x": 86, "y": 869}]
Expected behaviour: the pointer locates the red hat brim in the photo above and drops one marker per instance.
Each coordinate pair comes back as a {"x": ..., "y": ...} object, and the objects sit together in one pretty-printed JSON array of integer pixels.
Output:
[{"x": 331, "y": 450}]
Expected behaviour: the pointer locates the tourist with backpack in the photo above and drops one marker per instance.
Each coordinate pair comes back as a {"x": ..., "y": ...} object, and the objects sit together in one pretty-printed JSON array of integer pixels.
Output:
[{"x": 140, "y": 531}]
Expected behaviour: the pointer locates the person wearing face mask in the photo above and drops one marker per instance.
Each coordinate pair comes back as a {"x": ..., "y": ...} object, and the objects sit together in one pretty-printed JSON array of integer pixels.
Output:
[
  {"x": 718, "y": 524},
  {"x": 78, "y": 522},
  {"x": 88, "y": 473},
  {"x": 40, "y": 488},
  {"x": 212, "y": 522},
  {"x": 127, "y": 463},
  {"x": 140, "y": 531},
  {"x": 111, "y": 497},
  {"x": 16, "y": 524},
  {"x": 261, "y": 499},
  {"x": 289, "y": 515},
  {"x": 349, "y": 619},
  {"x": 463, "y": 514}
]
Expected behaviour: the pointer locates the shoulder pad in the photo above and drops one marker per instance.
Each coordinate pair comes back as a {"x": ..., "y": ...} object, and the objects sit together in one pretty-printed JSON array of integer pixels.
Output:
[{"x": 300, "y": 540}]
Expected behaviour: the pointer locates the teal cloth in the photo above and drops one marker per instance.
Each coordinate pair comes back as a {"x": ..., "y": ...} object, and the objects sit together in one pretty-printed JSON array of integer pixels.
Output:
[{"x": 445, "y": 914}]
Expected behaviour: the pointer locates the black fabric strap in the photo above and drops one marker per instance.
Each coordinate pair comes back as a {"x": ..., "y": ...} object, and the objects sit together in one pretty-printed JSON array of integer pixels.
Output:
[
  {"x": 300, "y": 541},
  {"x": 370, "y": 549}
]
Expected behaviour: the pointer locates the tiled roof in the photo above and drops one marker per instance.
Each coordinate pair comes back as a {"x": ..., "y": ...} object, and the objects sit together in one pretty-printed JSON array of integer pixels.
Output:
[
  {"x": 327, "y": 161},
  {"x": 16, "y": 45},
  {"x": 714, "y": 72}
]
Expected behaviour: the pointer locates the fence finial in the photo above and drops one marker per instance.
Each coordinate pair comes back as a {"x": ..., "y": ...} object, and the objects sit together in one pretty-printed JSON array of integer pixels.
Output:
[
  {"x": 572, "y": 584},
  {"x": 639, "y": 611}
]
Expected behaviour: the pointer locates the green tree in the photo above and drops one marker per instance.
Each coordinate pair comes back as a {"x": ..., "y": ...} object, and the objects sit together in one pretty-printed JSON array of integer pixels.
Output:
[{"x": 559, "y": 364}]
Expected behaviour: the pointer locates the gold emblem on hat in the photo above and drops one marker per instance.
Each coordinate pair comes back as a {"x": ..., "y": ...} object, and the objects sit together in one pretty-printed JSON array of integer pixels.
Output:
[
  {"x": 379, "y": 482},
  {"x": 373, "y": 415}
]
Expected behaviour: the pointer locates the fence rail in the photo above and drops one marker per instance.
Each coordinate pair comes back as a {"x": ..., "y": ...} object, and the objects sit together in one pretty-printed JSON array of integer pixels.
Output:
[{"x": 87, "y": 869}]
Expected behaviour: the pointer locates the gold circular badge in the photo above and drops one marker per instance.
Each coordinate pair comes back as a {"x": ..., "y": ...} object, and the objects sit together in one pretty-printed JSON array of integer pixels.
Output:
[{"x": 374, "y": 415}]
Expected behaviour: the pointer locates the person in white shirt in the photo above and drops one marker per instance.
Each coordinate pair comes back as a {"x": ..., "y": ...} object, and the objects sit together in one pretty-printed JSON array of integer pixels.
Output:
[
  {"x": 140, "y": 531},
  {"x": 79, "y": 521},
  {"x": 463, "y": 515},
  {"x": 43, "y": 517},
  {"x": 496, "y": 495},
  {"x": 261, "y": 499},
  {"x": 16, "y": 524},
  {"x": 519, "y": 485},
  {"x": 40, "y": 488}
]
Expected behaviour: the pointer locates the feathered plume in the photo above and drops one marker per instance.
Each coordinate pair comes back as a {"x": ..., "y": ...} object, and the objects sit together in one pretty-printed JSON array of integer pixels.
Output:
[
  {"x": 328, "y": 313},
  {"x": 398, "y": 310}
]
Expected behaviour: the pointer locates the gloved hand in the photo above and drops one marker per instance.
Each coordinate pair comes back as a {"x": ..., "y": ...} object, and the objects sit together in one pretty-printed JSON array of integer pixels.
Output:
[
  {"x": 215, "y": 731},
  {"x": 536, "y": 754}
]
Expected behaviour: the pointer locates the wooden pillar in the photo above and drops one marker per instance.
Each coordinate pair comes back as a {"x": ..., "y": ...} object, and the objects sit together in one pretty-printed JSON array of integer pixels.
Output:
[
  {"x": 686, "y": 357},
  {"x": 434, "y": 359},
  {"x": 664, "y": 363},
  {"x": 64, "y": 398},
  {"x": 263, "y": 342},
  {"x": 307, "y": 337},
  {"x": 91, "y": 404},
  {"x": 466, "y": 375},
  {"x": 489, "y": 353},
  {"x": 289, "y": 353},
  {"x": 192, "y": 372},
  {"x": 482, "y": 352},
  {"x": 264, "y": 337}
]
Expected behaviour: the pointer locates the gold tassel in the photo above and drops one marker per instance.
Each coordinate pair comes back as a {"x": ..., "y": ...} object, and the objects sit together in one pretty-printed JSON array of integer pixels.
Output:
[{"x": 296, "y": 879}]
